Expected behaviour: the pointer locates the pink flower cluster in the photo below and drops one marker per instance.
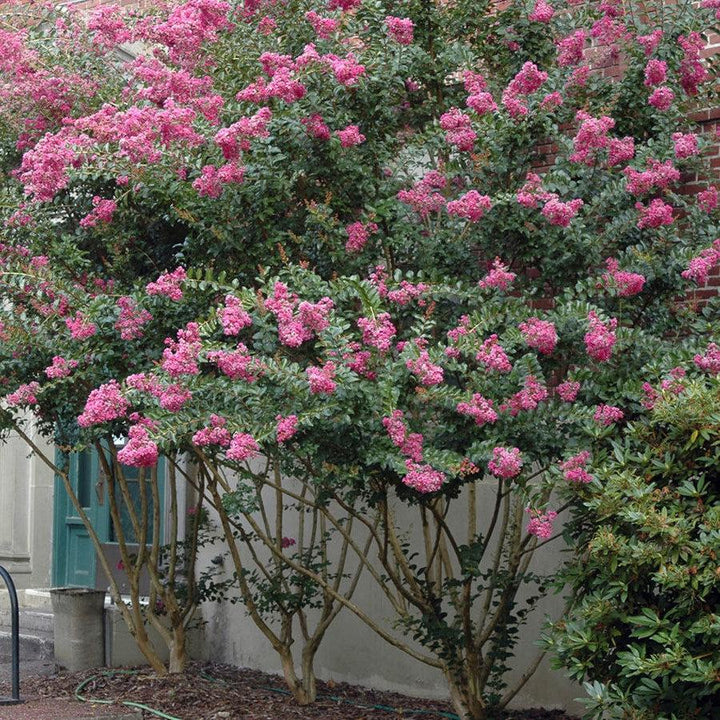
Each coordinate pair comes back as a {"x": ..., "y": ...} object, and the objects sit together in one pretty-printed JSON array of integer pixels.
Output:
[
  {"x": 479, "y": 409},
  {"x": 243, "y": 446},
  {"x": 692, "y": 70},
  {"x": 286, "y": 427},
  {"x": 423, "y": 197},
  {"x": 180, "y": 357},
  {"x": 574, "y": 468},
  {"x": 479, "y": 100},
  {"x": 105, "y": 403},
  {"x": 539, "y": 334},
  {"x": 233, "y": 317},
  {"x": 592, "y": 135},
  {"x": 654, "y": 215},
  {"x": 236, "y": 138},
  {"x": 506, "y": 462},
  {"x": 710, "y": 361},
  {"x": 173, "y": 397},
  {"x": 427, "y": 373},
  {"x": 406, "y": 292},
  {"x": 315, "y": 127},
  {"x": 400, "y": 29},
  {"x": 600, "y": 338},
  {"x": 423, "y": 478},
  {"x": 237, "y": 364},
  {"x": 26, "y": 394},
  {"x": 540, "y": 524},
  {"x": 350, "y": 136},
  {"x": 410, "y": 444},
  {"x": 377, "y": 331},
  {"x": 102, "y": 212},
  {"x": 212, "y": 180},
  {"x": 493, "y": 356},
  {"x": 625, "y": 283},
  {"x": 661, "y": 98},
  {"x": 568, "y": 390},
  {"x": 650, "y": 42},
  {"x": 168, "y": 284},
  {"x": 608, "y": 414},
  {"x": 458, "y": 129},
  {"x": 499, "y": 276},
  {"x": 80, "y": 327},
  {"x": 131, "y": 319},
  {"x": 471, "y": 206},
  {"x": 215, "y": 434},
  {"x": 655, "y": 72},
  {"x": 140, "y": 450},
  {"x": 658, "y": 175},
  {"x": 699, "y": 267},
  {"x": 60, "y": 367},
  {"x": 324, "y": 27},
  {"x": 526, "y": 82},
  {"x": 621, "y": 150},
  {"x": 686, "y": 145},
  {"x": 561, "y": 213},
  {"x": 108, "y": 26},
  {"x": 708, "y": 199},
  {"x": 358, "y": 234},
  {"x": 283, "y": 86},
  {"x": 542, "y": 12},
  {"x": 321, "y": 380},
  {"x": 297, "y": 321},
  {"x": 570, "y": 48},
  {"x": 532, "y": 394},
  {"x": 531, "y": 193}
]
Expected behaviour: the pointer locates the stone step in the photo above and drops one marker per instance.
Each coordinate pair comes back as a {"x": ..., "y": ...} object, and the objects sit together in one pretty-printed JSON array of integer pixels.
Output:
[
  {"x": 38, "y": 646},
  {"x": 29, "y": 620},
  {"x": 28, "y": 599}
]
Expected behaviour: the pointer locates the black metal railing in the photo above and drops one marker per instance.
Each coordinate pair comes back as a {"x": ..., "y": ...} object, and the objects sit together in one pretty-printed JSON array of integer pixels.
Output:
[{"x": 14, "y": 640}]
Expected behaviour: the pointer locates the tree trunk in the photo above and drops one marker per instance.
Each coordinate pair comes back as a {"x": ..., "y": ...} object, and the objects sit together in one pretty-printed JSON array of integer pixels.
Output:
[
  {"x": 178, "y": 650},
  {"x": 467, "y": 702},
  {"x": 303, "y": 689}
]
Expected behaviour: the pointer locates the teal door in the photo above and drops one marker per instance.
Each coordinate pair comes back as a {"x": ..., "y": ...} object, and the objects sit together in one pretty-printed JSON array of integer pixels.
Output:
[{"x": 74, "y": 557}]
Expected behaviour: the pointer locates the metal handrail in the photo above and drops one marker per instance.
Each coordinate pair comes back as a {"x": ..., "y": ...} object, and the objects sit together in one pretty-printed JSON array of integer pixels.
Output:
[{"x": 14, "y": 639}]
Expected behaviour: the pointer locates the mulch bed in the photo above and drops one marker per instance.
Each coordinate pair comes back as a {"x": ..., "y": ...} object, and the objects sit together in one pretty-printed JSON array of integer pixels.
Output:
[{"x": 224, "y": 692}]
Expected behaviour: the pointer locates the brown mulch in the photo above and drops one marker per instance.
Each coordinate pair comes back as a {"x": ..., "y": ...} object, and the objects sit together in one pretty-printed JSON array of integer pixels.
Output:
[{"x": 224, "y": 692}]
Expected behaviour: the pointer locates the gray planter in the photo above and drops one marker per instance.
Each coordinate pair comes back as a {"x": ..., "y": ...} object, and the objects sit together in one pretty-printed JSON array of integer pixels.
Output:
[{"x": 79, "y": 627}]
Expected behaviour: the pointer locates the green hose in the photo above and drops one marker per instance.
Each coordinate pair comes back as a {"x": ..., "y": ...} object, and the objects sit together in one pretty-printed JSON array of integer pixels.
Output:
[{"x": 127, "y": 703}]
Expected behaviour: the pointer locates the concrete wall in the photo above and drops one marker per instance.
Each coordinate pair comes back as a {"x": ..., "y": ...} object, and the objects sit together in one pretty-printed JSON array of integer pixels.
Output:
[
  {"x": 351, "y": 652},
  {"x": 26, "y": 514}
]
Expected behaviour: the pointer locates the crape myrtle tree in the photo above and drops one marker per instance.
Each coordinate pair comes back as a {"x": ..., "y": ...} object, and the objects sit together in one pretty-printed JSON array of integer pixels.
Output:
[{"x": 306, "y": 246}]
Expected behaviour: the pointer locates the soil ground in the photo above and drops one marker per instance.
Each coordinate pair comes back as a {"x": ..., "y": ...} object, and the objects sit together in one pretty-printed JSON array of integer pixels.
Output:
[{"x": 223, "y": 692}]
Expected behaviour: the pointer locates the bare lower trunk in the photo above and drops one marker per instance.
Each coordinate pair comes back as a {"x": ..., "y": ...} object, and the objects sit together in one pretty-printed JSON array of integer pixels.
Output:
[
  {"x": 303, "y": 689},
  {"x": 178, "y": 650},
  {"x": 467, "y": 702}
]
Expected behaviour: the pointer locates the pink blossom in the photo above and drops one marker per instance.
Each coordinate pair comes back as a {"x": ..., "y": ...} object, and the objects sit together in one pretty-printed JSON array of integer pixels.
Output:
[
  {"x": 658, "y": 174},
  {"x": 686, "y": 144},
  {"x": 621, "y": 150},
  {"x": 542, "y": 12},
  {"x": 655, "y": 72},
  {"x": 108, "y": 26},
  {"x": 532, "y": 394},
  {"x": 423, "y": 478},
  {"x": 316, "y": 127},
  {"x": 140, "y": 450},
  {"x": 713, "y": 5},
  {"x": 345, "y": 5},
  {"x": 551, "y": 100},
  {"x": 350, "y": 136},
  {"x": 233, "y": 317},
  {"x": 591, "y": 136},
  {"x": 499, "y": 276},
  {"x": 60, "y": 367},
  {"x": 105, "y": 403},
  {"x": 26, "y": 394},
  {"x": 540, "y": 524},
  {"x": 378, "y": 331},
  {"x": 539, "y": 334},
  {"x": 404, "y": 294},
  {"x": 180, "y": 357},
  {"x": 651, "y": 41},
  {"x": 708, "y": 199},
  {"x": 243, "y": 446},
  {"x": 427, "y": 373},
  {"x": 410, "y": 444},
  {"x": 492, "y": 355},
  {"x": 321, "y": 380},
  {"x": 287, "y": 542},
  {"x": 346, "y": 70},
  {"x": 626, "y": 283},
  {"x": 458, "y": 129},
  {"x": 358, "y": 234},
  {"x": 174, "y": 397},
  {"x": 574, "y": 468},
  {"x": 286, "y": 427},
  {"x": 607, "y": 414},
  {"x": 506, "y": 462},
  {"x": 80, "y": 327},
  {"x": 656, "y": 214},
  {"x": 699, "y": 267},
  {"x": 710, "y": 361},
  {"x": 692, "y": 70},
  {"x": 131, "y": 319},
  {"x": 568, "y": 390},
  {"x": 323, "y": 26},
  {"x": 471, "y": 206},
  {"x": 531, "y": 192},
  {"x": 570, "y": 48},
  {"x": 479, "y": 409},
  {"x": 102, "y": 212},
  {"x": 168, "y": 284},
  {"x": 235, "y": 138},
  {"x": 561, "y": 213},
  {"x": 237, "y": 364},
  {"x": 600, "y": 338},
  {"x": 422, "y": 197},
  {"x": 208, "y": 184},
  {"x": 267, "y": 25},
  {"x": 215, "y": 434},
  {"x": 400, "y": 29},
  {"x": 528, "y": 80},
  {"x": 481, "y": 103},
  {"x": 144, "y": 383},
  {"x": 661, "y": 98}
]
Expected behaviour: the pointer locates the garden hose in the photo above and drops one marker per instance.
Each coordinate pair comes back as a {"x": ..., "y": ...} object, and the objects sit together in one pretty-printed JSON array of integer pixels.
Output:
[{"x": 127, "y": 703}]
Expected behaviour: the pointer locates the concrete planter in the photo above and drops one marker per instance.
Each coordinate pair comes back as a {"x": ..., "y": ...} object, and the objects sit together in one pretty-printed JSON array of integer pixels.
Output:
[{"x": 78, "y": 627}]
